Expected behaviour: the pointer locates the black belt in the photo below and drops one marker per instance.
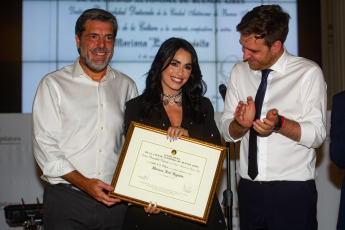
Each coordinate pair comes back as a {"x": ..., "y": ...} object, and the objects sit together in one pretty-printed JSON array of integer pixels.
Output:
[
  {"x": 268, "y": 182},
  {"x": 69, "y": 186}
]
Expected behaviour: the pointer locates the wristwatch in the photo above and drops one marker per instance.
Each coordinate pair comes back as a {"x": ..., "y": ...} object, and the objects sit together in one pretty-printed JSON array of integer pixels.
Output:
[{"x": 279, "y": 125}]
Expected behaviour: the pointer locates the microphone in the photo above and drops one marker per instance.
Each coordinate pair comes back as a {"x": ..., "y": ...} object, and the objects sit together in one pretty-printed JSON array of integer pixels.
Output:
[{"x": 222, "y": 91}]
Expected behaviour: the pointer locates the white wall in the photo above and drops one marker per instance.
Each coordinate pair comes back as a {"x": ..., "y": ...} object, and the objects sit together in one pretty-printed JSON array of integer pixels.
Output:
[{"x": 19, "y": 174}]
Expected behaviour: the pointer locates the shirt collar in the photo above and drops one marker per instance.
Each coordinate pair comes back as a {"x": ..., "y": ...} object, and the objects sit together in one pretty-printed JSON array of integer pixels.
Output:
[
  {"x": 280, "y": 64},
  {"x": 79, "y": 72}
]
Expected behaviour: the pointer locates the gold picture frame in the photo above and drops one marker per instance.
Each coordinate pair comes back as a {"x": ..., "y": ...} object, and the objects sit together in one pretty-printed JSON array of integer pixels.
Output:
[{"x": 181, "y": 176}]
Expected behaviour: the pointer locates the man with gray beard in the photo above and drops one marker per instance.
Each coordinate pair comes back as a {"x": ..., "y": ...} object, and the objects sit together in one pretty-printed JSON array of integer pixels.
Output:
[{"x": 78, "y": 117}]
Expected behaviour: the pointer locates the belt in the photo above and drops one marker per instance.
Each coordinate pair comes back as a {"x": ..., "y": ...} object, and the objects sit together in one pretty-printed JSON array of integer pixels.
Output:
[
  {"x": 69, "y": 186},
  {"x": 268, "y": 182}
]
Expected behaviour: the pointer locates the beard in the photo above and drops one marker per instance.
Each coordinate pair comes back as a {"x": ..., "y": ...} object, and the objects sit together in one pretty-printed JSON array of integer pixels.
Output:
[
  {"x": 94, "y": 66},
  {"x": 260, "y": 64}
]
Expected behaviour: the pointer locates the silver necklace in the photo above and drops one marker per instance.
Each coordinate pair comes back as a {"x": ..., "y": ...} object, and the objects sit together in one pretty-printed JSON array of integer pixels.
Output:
[{"x": 177, "y": 99}]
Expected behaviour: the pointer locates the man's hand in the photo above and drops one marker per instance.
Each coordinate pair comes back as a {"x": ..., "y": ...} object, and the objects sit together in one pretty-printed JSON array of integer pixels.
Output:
[
  {"x": 245, "y": 113},
  {"x": 94, "y": 187},
  {"x": 97, "y": 189},
  {"x": 266, "y": 127}
]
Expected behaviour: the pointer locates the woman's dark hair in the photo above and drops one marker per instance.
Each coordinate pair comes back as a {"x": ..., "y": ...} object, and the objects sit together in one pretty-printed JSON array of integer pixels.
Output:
[
  {"x": 192, "y": 91},
  {"x": 95, "y": 14},
  {"x": 266, "y": 21}
]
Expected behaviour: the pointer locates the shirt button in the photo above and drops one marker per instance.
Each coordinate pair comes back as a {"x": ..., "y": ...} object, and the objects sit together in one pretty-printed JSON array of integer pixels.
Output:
[
  {"x": 211, "y": 134},
  {"x": 163, "y": 124},
  {"x": 101, "y": 127},
  {"x": 102, "y": 105},
  {"x": 100, "y": 150},
  {"x": 99, "y": 173}
]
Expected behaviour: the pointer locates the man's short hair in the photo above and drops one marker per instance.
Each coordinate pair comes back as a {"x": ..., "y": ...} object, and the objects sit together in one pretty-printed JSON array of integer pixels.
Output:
[
  {"x": 95, "y": 14},
  {"x": 266, "y": 21}
]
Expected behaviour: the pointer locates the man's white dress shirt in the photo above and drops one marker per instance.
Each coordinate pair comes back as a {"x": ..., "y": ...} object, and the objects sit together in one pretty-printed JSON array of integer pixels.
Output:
[
  {"x": 78, "y": 123},
  {"x": 295, "y": 87}
]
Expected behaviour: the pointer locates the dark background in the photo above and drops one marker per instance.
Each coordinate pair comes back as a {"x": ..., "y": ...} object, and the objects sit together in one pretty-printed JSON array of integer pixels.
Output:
[{"x": 309, "y": 43}]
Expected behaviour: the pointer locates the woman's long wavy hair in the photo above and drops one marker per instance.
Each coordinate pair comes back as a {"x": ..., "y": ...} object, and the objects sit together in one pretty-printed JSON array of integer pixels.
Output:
[{"x": 192, "y": 90}]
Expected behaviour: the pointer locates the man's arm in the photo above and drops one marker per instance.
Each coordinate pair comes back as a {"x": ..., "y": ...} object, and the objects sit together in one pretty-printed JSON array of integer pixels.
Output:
[
  {"x": 310, "y": 130},
  {"x": 47, "y": 131},
  {"x": 236, "y": 130},
  {"x": 244, "y": 116},
  {"x": 46, "y": 137},
  {"x": 94, "y": 187},
  {"x": 289, "y": 128}
]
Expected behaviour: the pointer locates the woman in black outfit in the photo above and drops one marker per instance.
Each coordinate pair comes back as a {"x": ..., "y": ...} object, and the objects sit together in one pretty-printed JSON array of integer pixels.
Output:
[{"x": 173, "y": 101}]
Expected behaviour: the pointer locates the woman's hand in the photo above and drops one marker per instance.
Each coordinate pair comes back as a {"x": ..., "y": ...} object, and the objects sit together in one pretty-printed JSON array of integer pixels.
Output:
[
  {"x": 152, "y": 209},
  {"x": 175, "y": 132}
]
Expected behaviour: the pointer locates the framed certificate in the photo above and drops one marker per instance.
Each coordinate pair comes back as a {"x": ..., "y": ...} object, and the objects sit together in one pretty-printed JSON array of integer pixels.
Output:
[{"x": 181, "y": 176}]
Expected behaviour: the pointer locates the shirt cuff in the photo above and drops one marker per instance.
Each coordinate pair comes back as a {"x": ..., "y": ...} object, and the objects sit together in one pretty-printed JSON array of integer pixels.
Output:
[
  {"x": 58, "y": 168},
  {"x": 307, "y": 134},
  {"x": 224, "y": 126}
]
